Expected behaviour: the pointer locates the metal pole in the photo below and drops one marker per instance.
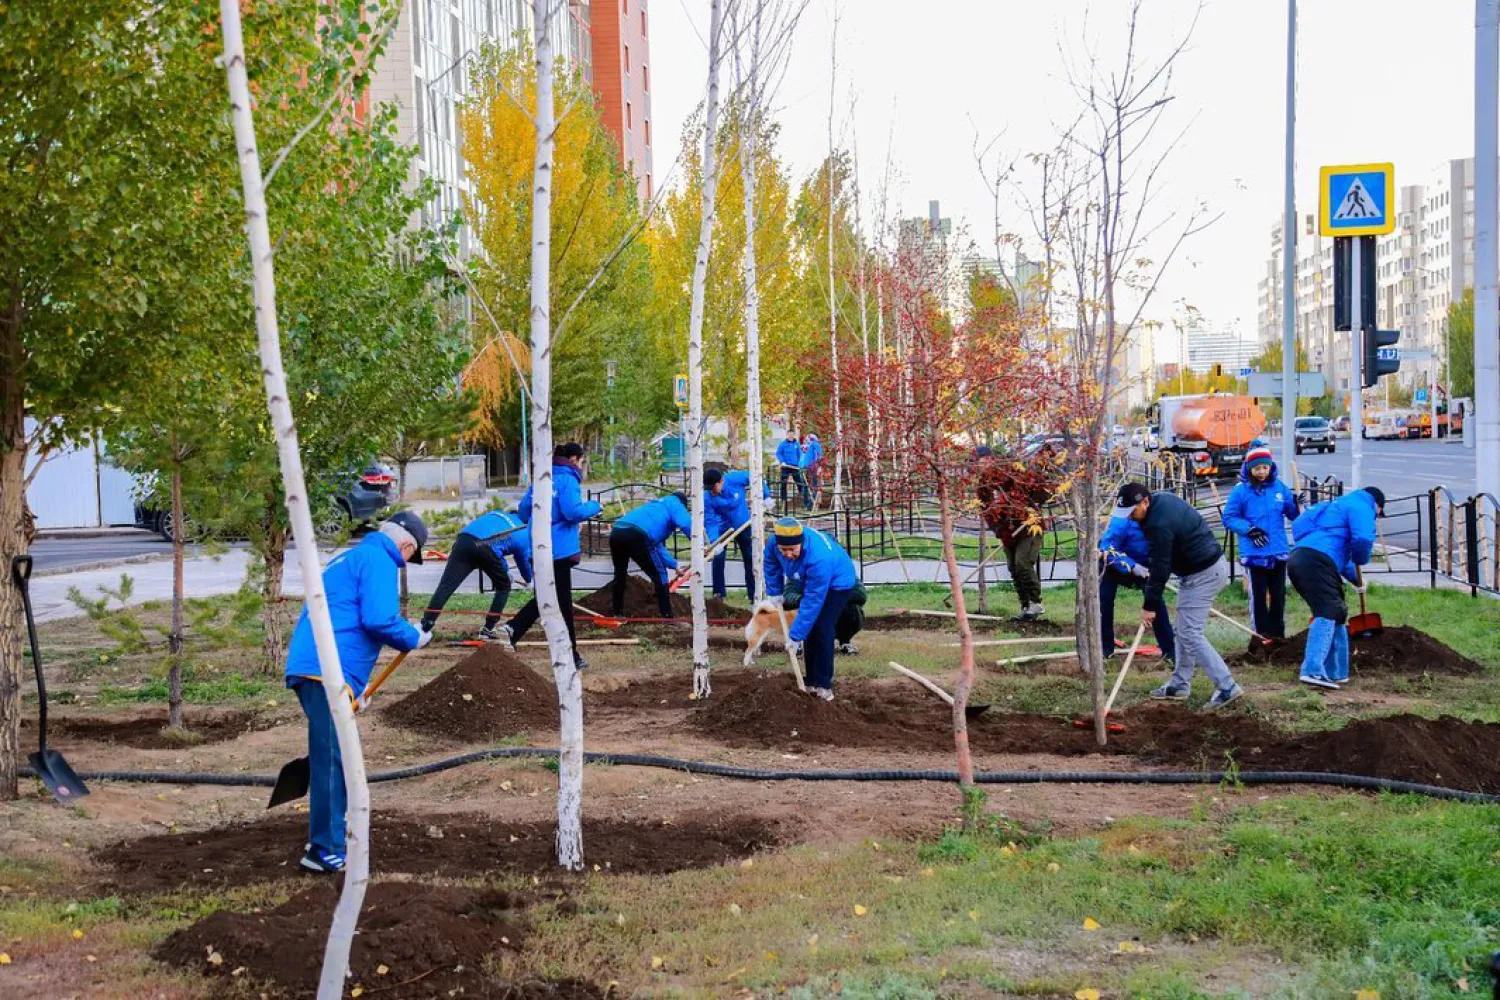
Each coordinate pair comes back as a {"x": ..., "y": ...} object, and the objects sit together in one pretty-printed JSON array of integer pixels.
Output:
[
  {"x": 1356, "y": 367},
  {"x": 1289, "y": 256},
  {"x": 1486, "y": 271}
]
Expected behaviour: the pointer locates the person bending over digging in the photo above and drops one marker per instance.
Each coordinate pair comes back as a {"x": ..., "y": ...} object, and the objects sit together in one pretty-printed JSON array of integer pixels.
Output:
[
  {"x": 1257, "y": 512},
  {"x": 807, "y": 556},
  {"x": 1178, "y": 541},
  {"x": 569, "y": 510},
  {"x": 729, "y": 510},
  {"x": 483, "y": 546},
  {"x": 364, "y": 599},
  {"x": 636, "y": 537},
  {"x": 1333, "y": 540},
  {"x": 1013, "y": 498},
  {"x": 1124, "y": 553},
  {"x": 851, "y": 620}
]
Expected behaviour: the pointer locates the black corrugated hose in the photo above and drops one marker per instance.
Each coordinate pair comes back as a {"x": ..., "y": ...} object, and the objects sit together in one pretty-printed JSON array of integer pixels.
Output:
[{"x": 757, "y": 774}]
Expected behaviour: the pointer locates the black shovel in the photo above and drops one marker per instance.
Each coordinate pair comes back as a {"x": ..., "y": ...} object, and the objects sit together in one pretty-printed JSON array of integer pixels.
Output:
[{"x": 49, "y": 765}]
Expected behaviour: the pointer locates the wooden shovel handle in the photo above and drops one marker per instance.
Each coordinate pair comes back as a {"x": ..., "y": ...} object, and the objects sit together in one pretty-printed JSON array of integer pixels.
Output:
[
  {"x": 373, "y": 686},
  {"x": 1125, "y": 668},
  {"x": 929, "y": 685}
]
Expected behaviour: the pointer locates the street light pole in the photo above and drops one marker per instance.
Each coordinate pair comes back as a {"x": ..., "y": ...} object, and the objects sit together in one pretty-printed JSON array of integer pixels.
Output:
[
  {"x": 1289, "y": 258},
  {"x": 1486, "y": 271}
]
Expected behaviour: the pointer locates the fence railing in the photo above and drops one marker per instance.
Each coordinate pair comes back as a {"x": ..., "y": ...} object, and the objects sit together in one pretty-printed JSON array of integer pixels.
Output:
[{"x": 1464, "y": 540}]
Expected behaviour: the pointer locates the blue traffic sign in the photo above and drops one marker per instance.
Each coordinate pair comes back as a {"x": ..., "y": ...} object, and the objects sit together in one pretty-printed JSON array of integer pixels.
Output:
[
  {"x": 1246, "y": 372},
  {"x": 1419, "y": 396},
  {"x": 1388, "y": 353},
  {"x": 1356, "y": 200}
]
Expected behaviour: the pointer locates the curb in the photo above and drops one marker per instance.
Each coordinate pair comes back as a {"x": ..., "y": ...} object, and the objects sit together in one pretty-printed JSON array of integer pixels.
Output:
[{"x": 103, "y": 564}]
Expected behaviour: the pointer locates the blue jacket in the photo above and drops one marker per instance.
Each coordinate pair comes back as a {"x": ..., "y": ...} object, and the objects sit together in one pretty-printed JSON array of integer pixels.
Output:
[
  {"x": 517, "y": 544},
  {"x": 659, "y": 518},
  {"x": 823, "y": 566},
  {"x": 363, "y": 585},
  {"x": 665, "y": 563},
  {"x": 812, "y": 454},
  {"x": 569, "y": 510},
  {"x": 1124, "y": 545},
  {"x": 1342, "y": 529},
  {"x": 788, "y": 453},
  {"x": 1268, "y": 506},
  {"x": 730, "y": 507}
]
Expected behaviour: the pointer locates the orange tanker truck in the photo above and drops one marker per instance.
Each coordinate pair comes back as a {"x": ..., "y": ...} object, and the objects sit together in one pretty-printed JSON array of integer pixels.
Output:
[{"x": 1211, "y": 431}]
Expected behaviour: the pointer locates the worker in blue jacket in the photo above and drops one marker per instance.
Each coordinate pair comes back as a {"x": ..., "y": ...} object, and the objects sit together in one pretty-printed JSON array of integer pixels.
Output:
[
  {"x": 483, "y": 545},
  {"x": 729, "y": 510},
  {"x": 1124, "y": 553},
  {"x": 1333, "y": 540},
  {"x": 789, "y": 457},
  {"x": 636, "y": 537},
  {"x": 828, "y": 578},
  {"x": 569, "y": 510},
  {"x": 363, "y": 588},
  {"x": 812, "y": 461},
  {"x": 1258, "y": 511}
]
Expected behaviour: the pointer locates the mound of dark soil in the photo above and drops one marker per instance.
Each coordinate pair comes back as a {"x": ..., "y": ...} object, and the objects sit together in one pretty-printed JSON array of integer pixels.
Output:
[
  {"x": 677, "y": 637},
  {"x": 1445, "y": 751},
  {"x": 446, "y": 846},
  {"x": 640, "y": 602},
  {"x": 150, "y": 732},
  {"x": 413, "y": 941},
  {"x": 943, "y": 623},
  {"x": 486, "y": 696},
  {"x": 1398, "y": 651}
]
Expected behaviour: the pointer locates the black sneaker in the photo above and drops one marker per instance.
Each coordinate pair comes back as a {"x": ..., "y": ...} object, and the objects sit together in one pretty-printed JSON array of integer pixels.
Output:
[
  {"x": 579, "y": 663},
  {"x": 849, "y": 649},
  {"x": 488, "y": 635}
]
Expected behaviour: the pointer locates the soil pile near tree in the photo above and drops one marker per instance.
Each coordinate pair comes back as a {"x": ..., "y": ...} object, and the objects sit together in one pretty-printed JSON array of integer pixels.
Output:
[
  {"x": 943, "y": 623},
  {"x": 150, "y": 732},
  {"x": 414, "y": 941},
  {"x": 1400, "y": 651},
  {"x": 458, "y": 845},
  {"x": 640, "y": 602},
  {"x": 486, "y": 696},
  {"x": 1444, "y": 751}
]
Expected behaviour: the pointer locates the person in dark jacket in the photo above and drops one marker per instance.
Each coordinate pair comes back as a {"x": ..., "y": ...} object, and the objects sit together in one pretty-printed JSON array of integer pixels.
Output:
[
  {"x": 1178, "y": 541},
  {"x": 483, "y": 546},
  {"x": 1333, "y": 540},
  {"x": 362, "y": 586},
  {"x": 1013, "y": 498},
  {"x": 636, "y": 537},
  {"x": 1125, "y": 553},
  {"x": 1258, "y": 511},
  {"x": 789, "y": 457},
  {"x": 569, "y": 510}
]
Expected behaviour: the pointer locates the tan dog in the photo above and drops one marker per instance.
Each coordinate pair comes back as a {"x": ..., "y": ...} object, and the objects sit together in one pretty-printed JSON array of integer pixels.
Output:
[{"x": 763, "y": 622}]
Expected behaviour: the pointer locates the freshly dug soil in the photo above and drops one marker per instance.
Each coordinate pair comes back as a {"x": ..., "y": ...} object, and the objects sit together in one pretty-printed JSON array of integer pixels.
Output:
[
  {"x": 676, "y": 637},
  {"x": 1398, "y": 651},
  {"x": 942, "y": 623},
  {"x": 446, "y": 846},
  {"x": 150, "y": 732},
  {"x": 431, "y": 941},
  {"x": 486, "y": 696},
  {"x": 640, "y": 602},
  {"x": 1444, "y": 751}
]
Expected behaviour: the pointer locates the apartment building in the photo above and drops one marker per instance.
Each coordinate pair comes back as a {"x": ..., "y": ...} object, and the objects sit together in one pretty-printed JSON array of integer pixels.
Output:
[{"x": 621, "y": 60}]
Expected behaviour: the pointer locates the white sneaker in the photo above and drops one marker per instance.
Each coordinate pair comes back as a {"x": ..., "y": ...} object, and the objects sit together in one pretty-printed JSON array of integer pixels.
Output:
[
  {"x": 822, "y": 694},
  {"x": 849, "y": 649}
]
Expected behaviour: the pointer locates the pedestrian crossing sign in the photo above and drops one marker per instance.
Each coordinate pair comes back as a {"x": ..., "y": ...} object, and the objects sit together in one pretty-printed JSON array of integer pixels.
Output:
[{"x": 1356, "y": 199}]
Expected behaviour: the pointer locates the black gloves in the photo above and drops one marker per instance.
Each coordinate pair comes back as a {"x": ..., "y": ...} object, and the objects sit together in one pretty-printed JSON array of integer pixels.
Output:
[{"x": 1259, "y": 538}]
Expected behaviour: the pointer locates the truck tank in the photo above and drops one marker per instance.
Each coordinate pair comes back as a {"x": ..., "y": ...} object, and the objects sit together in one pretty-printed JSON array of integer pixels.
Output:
[{"x": 1219, "y": 421}]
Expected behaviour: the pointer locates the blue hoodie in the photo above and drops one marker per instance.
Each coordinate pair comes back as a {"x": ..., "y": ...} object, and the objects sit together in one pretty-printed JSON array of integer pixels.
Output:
[
  {"x": 730, "y": 507},
  {"x": 517, "y": 544},
  {"x": 569, "y": 510},
  {"x": 1342, "y": 529},
  {"x": 1267, "y": 505},
  {"x": 823, "y": 566},
  {"x": 363, "y": 585},
  {"x": 659, "y": 518},
  {"x": 1124, "y": 545},
  {"x": 788, "y": 453}
]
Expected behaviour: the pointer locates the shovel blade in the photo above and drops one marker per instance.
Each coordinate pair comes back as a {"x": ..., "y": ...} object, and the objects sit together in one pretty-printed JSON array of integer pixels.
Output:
[
  {"x": 292, "y": 783},
  {"x": 58, "y": 775},
  {"x": 975, "y": 711},
  {"x": 1366, "y": 626}
]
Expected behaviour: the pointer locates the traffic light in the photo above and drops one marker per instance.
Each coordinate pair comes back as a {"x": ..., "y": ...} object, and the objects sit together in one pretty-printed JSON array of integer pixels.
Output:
[
  {"x": 1342, "y": 261},
  {"x": 1381, "y": 357}
]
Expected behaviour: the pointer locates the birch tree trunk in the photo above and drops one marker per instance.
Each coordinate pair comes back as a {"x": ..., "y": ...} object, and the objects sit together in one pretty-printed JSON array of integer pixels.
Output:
[
  {"x": 701, "y": 687},
  {"x": 257, "y": 226},
  {"x": 754, "y": 436},
  {"x": 872, "y": 422},
  {"x": 174, "y": 638},
  {"x": 564, "y": 669},
  {"x": 833, "y": 324}
]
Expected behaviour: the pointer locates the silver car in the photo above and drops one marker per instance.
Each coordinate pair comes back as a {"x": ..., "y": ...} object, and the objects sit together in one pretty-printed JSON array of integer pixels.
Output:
[{"x": 1313, "y": 434}]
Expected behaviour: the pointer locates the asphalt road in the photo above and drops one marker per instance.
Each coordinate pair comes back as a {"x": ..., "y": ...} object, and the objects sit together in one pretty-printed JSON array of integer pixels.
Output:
[
  {"x": 63, "y": 552},
  {"x": 1399, "y": 468}
]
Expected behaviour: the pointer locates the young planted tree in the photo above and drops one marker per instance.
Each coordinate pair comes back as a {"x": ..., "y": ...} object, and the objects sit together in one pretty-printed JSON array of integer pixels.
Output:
[{"x": 958, "y": 383}]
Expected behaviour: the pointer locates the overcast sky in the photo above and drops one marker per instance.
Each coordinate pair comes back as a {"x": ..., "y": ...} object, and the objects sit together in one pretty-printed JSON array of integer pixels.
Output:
[{"x": 1377, "y": 80}]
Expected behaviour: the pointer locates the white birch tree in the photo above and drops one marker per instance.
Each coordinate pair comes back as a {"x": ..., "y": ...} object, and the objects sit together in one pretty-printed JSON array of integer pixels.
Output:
[
  {"x": 833, "y": 321},
  {"x": 268, "y": 336},
  {"x": 749, "y": 91},
  {"x": 701, "y": 687}
]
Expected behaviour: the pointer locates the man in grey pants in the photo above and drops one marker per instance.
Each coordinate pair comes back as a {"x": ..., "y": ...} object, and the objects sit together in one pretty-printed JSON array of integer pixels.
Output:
[{"x": 1181, "y": 543}]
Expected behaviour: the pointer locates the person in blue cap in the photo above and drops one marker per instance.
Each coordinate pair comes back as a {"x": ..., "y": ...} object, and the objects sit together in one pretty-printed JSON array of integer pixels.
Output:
[
  {"x": 789, "y": 456},
  {"x": 483, "y": 545},
  {"x": 1257, "y": 511},
  {"x": 806, "y": 555},
  {"x": 638, "y": 536},
  {"x": 363, "y": 588},
  {"x": 1333, "y": 540},
  {"x": 728, "y": 510}
]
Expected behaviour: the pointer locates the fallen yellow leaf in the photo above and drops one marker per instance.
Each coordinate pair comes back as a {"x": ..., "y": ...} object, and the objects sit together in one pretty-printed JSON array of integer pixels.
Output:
[
  {"x": 1133, "y": 849},
  {"x": 1367, "y": 995},
  {"x": 973, "y": 914},
  {"x": 358, "y": 991},
  {"x": 215, "y": 959},
  {"x": 4, "y": 958},
  {"x": 657, "y": 962},
  {"x": 859, "y": 910},
  {"x": 382, "y": 970},
  {"x": 748, "y": 863},
  {"x": 734, "y": 909},
  {"x": 77, "y": 935},
  {"x": 1007, "y": 850},
  {"x": 1130, "y": 948},
  {"x": 1090, "y": 924},
  {"x": 620, "y": 919},
  {"x": 1053, "y": 866},
  {"x": 1087, "y": 993},
  {"x": 928, "y": 872},
  {"x": 1462, "y": 984}
]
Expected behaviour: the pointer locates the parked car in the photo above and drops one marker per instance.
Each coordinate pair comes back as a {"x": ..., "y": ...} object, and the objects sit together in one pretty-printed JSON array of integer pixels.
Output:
[
  {"x": 1312, "y": 434},
  {"x": 361, "y": 499},
  {"x": 1138, "y": 438},
  {"x": 1340, "y": 425}
]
